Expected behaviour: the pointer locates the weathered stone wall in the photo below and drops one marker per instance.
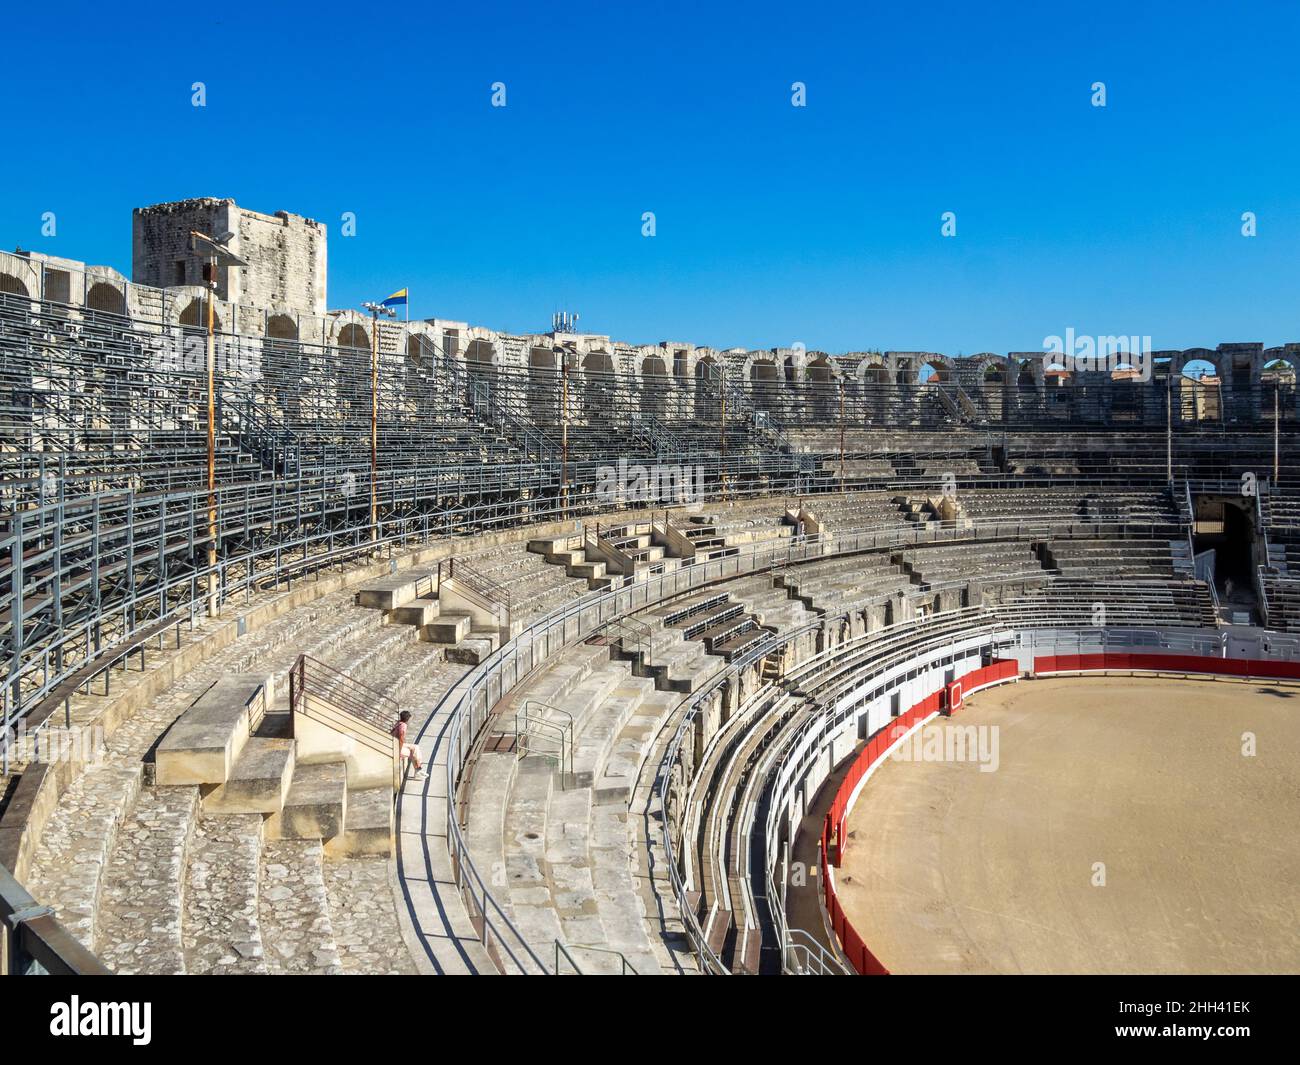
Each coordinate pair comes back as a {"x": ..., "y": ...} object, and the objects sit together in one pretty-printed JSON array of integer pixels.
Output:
[{"x": 286, "y": 253}]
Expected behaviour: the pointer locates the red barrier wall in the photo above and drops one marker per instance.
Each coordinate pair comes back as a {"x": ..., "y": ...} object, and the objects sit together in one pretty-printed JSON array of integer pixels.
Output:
[
  {"x": 833, "y": 834},
  {"x": 1166, "y": 663}
]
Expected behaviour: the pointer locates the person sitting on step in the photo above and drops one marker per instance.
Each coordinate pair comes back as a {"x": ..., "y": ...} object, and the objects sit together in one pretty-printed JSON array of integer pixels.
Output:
[{"x": 408, "y": 750}]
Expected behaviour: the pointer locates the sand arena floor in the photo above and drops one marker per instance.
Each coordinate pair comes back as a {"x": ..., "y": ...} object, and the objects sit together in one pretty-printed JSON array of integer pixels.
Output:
[{"x": 953, "y": 870}]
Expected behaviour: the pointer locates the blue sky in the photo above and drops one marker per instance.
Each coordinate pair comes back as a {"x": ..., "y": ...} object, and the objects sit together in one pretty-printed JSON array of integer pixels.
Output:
[{"x": 775, "y": 225}]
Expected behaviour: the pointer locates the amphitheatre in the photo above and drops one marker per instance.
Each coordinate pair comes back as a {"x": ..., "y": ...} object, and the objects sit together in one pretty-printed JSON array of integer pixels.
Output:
[{"x": 657, "y": 724}]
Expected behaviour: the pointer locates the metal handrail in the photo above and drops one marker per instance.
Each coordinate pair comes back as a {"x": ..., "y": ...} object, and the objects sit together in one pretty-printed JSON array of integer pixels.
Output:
[
  {"x": 565, "y": 950},
  {"x": 35, "y": 941},
  {"x": 564, "y": 732},
  {"x": 367, "y": 705},
  {"x": 574, "y": 621}
]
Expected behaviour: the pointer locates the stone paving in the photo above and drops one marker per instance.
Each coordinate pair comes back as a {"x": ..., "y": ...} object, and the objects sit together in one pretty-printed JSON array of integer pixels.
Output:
[
  {"x": 138, "y": 929},
  {"x": 223, "y": 932},
  {"x": 69, "y": 862},
  {"x": 364, "y": 917},
  {"x": 293, "y": 909}
]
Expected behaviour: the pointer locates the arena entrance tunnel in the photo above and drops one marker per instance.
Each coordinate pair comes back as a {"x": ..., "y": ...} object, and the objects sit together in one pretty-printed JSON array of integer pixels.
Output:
[{"x": 1226, "y": 526}]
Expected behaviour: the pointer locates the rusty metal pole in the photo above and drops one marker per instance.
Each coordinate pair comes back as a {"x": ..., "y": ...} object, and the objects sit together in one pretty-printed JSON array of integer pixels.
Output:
[
  {"x": 841, "y": 436},
  {"x": 722, "y": 431},
  {"x": 374, "y": 425},
  {"x": 564, "y": 434},
  {"x": 212, "y": 440}
]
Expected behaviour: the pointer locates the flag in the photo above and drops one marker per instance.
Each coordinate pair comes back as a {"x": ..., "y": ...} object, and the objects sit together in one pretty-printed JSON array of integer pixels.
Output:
[{"x": 398, "y": 298}]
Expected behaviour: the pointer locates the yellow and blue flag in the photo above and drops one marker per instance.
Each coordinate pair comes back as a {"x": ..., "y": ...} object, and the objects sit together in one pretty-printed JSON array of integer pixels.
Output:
[{"x": 397, "y": 299}]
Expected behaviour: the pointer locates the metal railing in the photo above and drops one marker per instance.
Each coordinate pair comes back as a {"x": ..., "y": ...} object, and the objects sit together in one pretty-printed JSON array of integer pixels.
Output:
[
  {"x": 470, "y": 704},
  {"x": 35, "y": 942},
  {"x": 526, "y": 721}
]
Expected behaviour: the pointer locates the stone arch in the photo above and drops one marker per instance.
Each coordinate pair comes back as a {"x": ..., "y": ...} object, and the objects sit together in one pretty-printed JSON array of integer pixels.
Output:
[
  {"x": 942, "y": 370},
  {"x": 599, "y": 385},
  {"x": 105, "y": 298},
  {"x": 543, "y": 383},
  {"x": 13, "y": 291},
  {"x": 708, "y": 375},
  {"x": 421, "y": 368},
  {"x": 195, "y": 316},
  {"x": 16, "y": 396},
  {"x": 352, "y": 369},
  {"x": 282, "y": 356},
  {"x": 655, "y": 384},
  {"x": 1279, "y": 384},
  {"x": 764, "y": 377},
  {"x": 993, "y": 376},
  {"x": 823, "y": 381}
]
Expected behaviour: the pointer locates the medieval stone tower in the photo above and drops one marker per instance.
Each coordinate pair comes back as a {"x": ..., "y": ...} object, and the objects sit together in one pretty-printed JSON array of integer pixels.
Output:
[{"x": 286, "y": 253}]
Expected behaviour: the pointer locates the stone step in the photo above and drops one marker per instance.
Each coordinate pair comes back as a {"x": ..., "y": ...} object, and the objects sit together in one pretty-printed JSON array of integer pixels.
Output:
[
  {"x": 622, "y": 914},
  {"x": 259, "y": 780},
  {"x": 222, "y": 929},
  {"x": 418, "y": 612},
  {"x": 571, "y": 914},
  {"x": 293, "y": 909},
  {"x": 524, "y": 834},
  {"x": 489, "y": 792},
  {"x": 207, "y": 739},
  {"x": 603, "y": 723},
  {"x": 474, "y": 648},
  {"x": 367, "y": 825},
  {"x": 389, "y": 593},
  {"x": 363, "y": 913},
  {"x": 316, "y": 804},
  {"x": 67, "y": 871},
  {"x": 448, "y": 628},
  {"x": 138, "y": 929},
  {"x": 617, "y": 780}
]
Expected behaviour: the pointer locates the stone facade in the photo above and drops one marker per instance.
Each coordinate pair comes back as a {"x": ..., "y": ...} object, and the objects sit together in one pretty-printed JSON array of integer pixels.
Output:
[
  {"x": 279, "y": 303},
  {"x": 286, "y": 253}
]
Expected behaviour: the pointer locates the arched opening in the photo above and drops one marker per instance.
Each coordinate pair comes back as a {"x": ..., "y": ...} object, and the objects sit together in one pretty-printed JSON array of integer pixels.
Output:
[
  {"x": 421, "y": 371},
  {"x": 17, "y": 396},
  {"x": 543, "y": 385},
  {"x": 1126, "y": 393},
  {"x": 598, "y": 385},
  {"x": 1198, "y": 392},
  {"x": 1278, "y": 390},
  {"x": 282, "y": 358},
  {"x": 194, "y": 318},
  {"x": 654, "y": 386},
  {"x": 823, "y": 389},
  {"x": 707, "y": 393},
  {"x": 932, "y": 373},
  {"x": 103, "y": 298},
  {"x": 765, "y": 385},
  {"x": 13, "y": 293},
  {"x": 353, "y": 371}
]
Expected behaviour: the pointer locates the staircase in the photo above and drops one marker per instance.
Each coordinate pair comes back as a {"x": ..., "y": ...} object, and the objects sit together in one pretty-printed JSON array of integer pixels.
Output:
[{"x": 451, "y": 604}]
